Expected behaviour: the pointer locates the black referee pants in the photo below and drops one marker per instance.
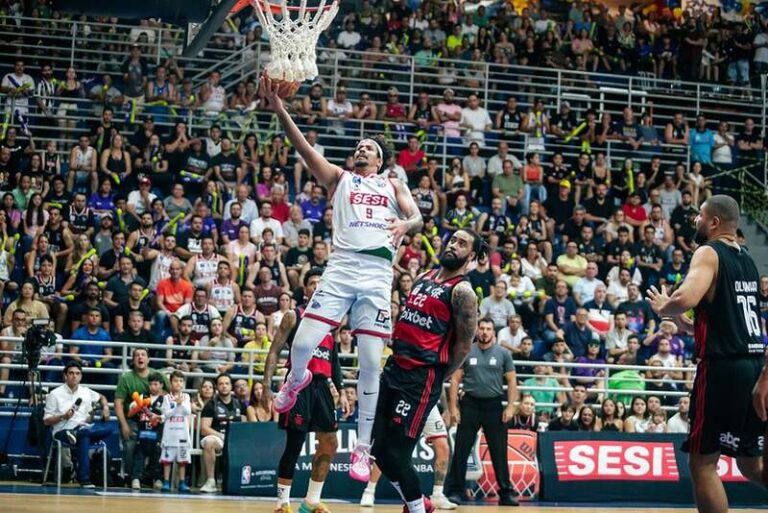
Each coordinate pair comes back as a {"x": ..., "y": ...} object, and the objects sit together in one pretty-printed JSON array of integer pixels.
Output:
[{"x": 476, "y": 414}]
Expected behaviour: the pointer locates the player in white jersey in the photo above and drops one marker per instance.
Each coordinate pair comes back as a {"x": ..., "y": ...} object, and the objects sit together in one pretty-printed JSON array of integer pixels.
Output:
[
  {"x": 371, "y": 214},
  {"x": 176, "y": 444}
]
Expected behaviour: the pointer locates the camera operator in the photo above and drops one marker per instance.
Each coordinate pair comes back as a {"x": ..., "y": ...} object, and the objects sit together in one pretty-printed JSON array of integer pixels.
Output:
[
  {"x": 13, "y": 352},
  {"x": 69, "y": 408}
]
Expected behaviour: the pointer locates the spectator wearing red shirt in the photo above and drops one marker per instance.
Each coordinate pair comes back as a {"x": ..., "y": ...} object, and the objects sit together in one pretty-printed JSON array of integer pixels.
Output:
[
  {"x": 281, "y": 209},
  {"x": 412, "y": 159},
  {"x": 634, "y": 211},
  {"x": 172, "y": 293}
]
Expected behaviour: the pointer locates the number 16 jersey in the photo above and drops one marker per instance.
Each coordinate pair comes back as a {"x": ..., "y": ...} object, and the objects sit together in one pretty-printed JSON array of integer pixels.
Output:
[{"x": 730, "y": 327}]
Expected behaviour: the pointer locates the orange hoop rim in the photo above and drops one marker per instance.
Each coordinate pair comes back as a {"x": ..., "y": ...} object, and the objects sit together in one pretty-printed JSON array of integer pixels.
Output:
[{"x": 277, "y": 7}]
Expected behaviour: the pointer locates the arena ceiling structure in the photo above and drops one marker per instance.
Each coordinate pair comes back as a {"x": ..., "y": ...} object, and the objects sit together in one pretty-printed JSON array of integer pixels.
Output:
[{"x": 210, "y": 14}]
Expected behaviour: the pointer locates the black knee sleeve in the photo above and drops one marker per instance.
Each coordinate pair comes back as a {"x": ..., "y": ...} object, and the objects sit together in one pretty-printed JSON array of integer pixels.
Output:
[
  {"x": 293, "y": 443},
  {"x": 393, "y": 456}
]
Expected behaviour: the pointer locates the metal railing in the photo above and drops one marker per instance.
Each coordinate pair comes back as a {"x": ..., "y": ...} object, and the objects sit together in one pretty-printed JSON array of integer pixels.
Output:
[{"x": 120, "y": 363}]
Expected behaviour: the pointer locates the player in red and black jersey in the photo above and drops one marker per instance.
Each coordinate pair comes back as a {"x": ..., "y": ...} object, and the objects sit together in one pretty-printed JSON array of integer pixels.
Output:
[
  {"x": 314, "y": 411},
  {"x": 722, "y": 286},
  {"x": 430, "y": 341}
]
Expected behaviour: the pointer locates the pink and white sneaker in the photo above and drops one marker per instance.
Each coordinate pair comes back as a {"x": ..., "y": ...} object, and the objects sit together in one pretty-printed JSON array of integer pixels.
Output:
[
  {"x": 360, "y": 463},
  {"x": 289, "y": 392}
]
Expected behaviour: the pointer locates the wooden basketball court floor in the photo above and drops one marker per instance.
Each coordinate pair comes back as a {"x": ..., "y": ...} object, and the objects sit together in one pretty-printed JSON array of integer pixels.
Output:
[{"x": 48, "y": 501}]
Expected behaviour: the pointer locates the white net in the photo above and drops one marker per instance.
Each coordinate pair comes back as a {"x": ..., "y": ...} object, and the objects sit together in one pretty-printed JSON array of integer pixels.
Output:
[{"x": 293, "y": 37}]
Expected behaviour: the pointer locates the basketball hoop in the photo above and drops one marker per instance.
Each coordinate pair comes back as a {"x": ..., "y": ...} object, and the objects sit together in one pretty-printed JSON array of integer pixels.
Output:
[{"x": 293, "y": 34}]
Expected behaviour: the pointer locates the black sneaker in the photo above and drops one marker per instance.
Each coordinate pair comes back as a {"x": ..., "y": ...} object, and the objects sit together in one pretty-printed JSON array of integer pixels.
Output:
[
  {"x": 456, "y": 499},
  {"x": 506, "y": 499}
]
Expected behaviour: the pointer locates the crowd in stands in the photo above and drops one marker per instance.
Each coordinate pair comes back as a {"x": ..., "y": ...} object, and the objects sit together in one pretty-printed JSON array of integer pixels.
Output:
[{"x": 144, "y": 231}]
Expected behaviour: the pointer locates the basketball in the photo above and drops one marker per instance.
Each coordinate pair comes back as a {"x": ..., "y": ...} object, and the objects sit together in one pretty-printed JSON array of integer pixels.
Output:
[{"x": 286, "y": 88}]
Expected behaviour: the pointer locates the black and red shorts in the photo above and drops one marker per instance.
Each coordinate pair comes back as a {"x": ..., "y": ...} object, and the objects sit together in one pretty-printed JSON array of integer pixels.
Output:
[
  {"x": 314, "y": 411},
  {"x": 406, "y": 397},
  {"x": 722, "y": 417}
]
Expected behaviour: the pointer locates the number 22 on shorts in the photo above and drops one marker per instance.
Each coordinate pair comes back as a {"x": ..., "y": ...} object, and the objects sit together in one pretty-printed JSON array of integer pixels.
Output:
[{"x": 402, "y": 408}]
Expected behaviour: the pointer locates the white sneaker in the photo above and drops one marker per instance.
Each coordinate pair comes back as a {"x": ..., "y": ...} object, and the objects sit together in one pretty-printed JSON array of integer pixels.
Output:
[
  {"x": 135, "y": 485},
  {"x": 366, "y": 501},
  {"x": 440, "y": 501},
  {"x": 209, "y": 486},
  {"x": 158, "y": 484}
]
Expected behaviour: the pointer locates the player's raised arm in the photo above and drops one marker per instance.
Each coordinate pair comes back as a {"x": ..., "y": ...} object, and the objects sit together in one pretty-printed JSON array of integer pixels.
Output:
[
  {"x": 323, "y": 171},
  {"x": 464, "y": 303}
]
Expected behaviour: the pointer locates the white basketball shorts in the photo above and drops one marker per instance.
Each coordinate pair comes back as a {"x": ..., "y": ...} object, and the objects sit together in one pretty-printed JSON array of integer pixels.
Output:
[{"x": 359, "y": 284}]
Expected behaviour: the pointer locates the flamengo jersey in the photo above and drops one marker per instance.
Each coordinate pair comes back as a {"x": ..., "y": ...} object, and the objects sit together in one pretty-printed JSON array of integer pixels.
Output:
[
  {"x": 730, "y": 326},
  {"x": 176, "y": 425},
  {"x": 362, "y": 208},
  {"x": 424, "y": 331},
  {"x": 324, "y": 355}
]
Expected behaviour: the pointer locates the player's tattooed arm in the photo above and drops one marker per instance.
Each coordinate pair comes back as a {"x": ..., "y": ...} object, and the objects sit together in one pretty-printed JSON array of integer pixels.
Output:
[
  {"x": 464, "y": 304},
  {"x": 286, "y": 326}
]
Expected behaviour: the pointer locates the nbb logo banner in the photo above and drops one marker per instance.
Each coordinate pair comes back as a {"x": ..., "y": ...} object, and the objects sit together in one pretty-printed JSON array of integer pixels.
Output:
[{"x": 590, "y": 460}]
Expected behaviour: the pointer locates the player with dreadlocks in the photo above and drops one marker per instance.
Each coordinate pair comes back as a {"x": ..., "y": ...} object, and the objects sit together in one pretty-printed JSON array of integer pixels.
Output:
[{"x": 430, "y": 341}]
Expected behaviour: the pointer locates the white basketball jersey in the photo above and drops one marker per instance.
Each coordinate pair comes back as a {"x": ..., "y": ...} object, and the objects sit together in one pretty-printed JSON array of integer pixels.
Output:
[
  {"x": 362, "y": 208},
  {"x": 206, "y": 270},
  {"x": 176, "y": 425},
  {"x": 222, "y": 296}
]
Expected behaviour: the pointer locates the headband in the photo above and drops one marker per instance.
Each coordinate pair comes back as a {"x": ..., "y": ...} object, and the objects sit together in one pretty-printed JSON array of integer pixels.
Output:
[{"x": 375, "y": 144}]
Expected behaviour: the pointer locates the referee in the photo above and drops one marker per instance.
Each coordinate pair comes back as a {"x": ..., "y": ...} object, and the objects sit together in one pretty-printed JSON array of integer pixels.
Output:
[{"x": 483, "y": 374}]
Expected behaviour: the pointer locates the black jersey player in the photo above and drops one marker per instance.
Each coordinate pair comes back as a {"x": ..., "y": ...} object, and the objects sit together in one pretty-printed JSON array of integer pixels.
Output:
[
  {"x": 430, "y": 341},
  {"x": 722, "y": 288}
]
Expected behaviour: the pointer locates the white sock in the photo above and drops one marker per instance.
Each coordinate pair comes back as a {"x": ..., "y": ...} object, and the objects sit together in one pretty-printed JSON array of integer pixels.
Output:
[
  {"x": 314, "y": 491},
  {"x": 371, "y": 487},
  {"x": 437, "y": 490},
  {"x": 416, "y": 506},
  {"x": 283, "y": 494},
  {"x": 369, "y": 351},
  {"x": 399, "y": 491}
]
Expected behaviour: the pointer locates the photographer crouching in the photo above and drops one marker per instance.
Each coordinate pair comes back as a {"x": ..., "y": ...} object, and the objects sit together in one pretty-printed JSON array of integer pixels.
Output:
[{"x": 70, "y": 408}]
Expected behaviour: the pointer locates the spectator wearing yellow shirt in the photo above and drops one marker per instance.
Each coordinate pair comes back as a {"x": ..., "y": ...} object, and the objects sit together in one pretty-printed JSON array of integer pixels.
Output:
[
  {"x": 571, "y": 266},
  {"x": 260, "y": 341}
]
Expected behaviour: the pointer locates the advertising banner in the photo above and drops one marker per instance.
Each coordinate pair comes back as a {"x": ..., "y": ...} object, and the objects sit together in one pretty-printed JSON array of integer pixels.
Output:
[
  {"x": 254, "y": 450},
  {"x": 585, "y": 467}
]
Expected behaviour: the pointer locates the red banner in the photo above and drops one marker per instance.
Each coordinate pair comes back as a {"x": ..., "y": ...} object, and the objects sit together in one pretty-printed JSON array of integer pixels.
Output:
[
  {"x": 590, "y": 460},
  {"x": 729, "y": 471}
]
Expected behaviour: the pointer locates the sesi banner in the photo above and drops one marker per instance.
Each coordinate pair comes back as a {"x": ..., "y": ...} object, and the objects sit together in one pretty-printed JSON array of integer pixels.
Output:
[
  {"x": 584, "y": 467},
  {"x": 617, "y": 461}
]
